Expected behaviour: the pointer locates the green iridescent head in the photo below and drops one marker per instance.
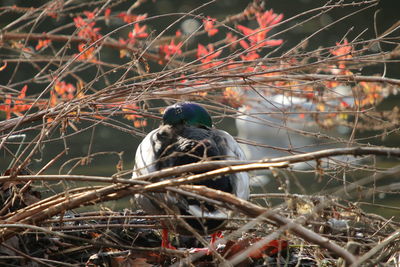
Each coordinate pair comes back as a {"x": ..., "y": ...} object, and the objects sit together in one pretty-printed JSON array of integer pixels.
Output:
[{"x": 187, "y": 113}]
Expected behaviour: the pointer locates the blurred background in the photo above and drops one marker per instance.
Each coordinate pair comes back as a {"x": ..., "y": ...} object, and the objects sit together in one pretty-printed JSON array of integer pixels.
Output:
[{"x": 363, "y": 25}]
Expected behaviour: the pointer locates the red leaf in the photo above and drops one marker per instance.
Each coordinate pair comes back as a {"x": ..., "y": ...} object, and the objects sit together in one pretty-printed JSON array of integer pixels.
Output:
[
  {"x": 273, "y": 42},
  {"x": 201, "y": 50},
  {"x": 258, "y": 37},
  {"x": 246, "y": 31},
  {"x": 207, "y": 55},
  {"x": 268, "y": 18},
  {"x": 250, "y": 56},
  {"x": 137, "y": 32},
  {"x": 89, "y": 15},
  {"x": 267, "y": 43},
  {"x": 244, "y": 44},
  {"x": 272, "y": 248},
  {"x": 64, "y": 90},
  {"x": 167, "y": 51},
  {"x": 107, "y": 13},
  {"x": 42, "y": 44},
  {"x": 86, "y": 28},
  {"x": 209, "y": 26}
]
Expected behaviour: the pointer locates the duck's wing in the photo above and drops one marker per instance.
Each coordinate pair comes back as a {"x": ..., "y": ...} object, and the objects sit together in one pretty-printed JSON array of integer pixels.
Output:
[
  {"x": 229, "y": 147},
  {"x": 146, "y": 162},
  {"x": 145, "y": 158}
]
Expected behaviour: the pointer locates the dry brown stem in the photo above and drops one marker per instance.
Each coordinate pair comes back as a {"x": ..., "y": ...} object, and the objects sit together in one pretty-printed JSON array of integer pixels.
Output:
[{"x": 253, "y": 210}]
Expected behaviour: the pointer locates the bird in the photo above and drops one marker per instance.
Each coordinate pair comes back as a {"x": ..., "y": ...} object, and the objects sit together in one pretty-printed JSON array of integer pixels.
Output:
[{"x": 186, "y": 135}]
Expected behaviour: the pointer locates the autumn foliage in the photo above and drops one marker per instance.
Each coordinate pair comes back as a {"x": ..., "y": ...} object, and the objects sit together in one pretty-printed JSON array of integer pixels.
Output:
[
  {"x": 249, "y": 43},
  {"x": 70, "y": 68}
]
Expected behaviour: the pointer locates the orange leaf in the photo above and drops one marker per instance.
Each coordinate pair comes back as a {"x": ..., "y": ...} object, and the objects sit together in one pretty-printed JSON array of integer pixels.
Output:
[
  {"x": 23, "y": 92},
  {"x": 7, "y": 106},
  {"x": 42, "y": 44},
  {"x": 268, "y": 18},
  {"x": 209, "y": 26},
  {"x": 128, "y": 18},
  {"x": 246, "y": 31},
  {"x": 53, "y": 99},
  {"x": 250, "y": 56},
  {"x": 19, "y": 105},
  {"x": 4, "y": 66},
  {"x": 85, "y": 53}
]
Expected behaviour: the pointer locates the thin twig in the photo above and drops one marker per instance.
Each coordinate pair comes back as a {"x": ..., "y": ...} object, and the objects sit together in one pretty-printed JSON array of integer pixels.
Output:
[{"x": 253, "y": 210}]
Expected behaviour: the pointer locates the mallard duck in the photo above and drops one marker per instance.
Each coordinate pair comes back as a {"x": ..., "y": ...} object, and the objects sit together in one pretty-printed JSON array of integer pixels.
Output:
[{"x": 185, "y": 136}]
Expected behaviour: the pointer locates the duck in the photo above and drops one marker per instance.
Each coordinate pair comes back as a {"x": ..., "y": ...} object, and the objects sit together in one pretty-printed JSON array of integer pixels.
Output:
[{"x": 186, "y": 135}]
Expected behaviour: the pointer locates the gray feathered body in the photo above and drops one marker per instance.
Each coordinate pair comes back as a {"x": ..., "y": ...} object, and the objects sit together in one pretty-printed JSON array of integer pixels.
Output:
[{"x": 170, "y": 146}]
